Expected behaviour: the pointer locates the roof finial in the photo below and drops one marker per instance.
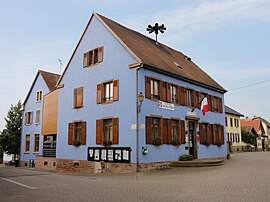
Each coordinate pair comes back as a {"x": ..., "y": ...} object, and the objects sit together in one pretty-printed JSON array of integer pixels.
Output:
[{"x": 155, "y": 29}]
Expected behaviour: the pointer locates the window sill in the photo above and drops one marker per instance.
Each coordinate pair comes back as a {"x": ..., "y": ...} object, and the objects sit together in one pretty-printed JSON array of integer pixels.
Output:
[
  {"x": 78, "y": 107},
  {"x": 28, "y": 124},
  {"x": 27, "y": 152},
  {"x": 88, "y": 66},
  {"x": 36, "y": 152}
]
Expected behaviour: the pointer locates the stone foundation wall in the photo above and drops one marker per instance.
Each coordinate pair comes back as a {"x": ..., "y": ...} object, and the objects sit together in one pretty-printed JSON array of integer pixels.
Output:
[
  {"x": 45, "y": 163},
  {"x": 67, "y": 165}
]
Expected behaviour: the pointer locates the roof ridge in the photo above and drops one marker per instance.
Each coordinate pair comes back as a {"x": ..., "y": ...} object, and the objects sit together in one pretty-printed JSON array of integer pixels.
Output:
[{"x": 43, "y": 71}]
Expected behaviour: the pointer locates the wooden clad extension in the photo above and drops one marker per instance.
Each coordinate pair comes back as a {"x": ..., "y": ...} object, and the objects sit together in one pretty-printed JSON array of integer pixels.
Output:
[{"x": 50, "y": 113}]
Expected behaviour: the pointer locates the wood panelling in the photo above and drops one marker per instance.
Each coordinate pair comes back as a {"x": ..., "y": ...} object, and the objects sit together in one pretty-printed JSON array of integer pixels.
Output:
[{"x": 50, "y": 113}]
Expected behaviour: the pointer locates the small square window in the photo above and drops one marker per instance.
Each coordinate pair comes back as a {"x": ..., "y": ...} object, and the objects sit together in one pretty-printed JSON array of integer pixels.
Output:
[{"x": 39, "y": 96}]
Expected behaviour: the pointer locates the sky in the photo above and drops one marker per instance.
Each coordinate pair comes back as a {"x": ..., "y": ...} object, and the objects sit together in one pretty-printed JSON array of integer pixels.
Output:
[{"x": 229, "y": 39}]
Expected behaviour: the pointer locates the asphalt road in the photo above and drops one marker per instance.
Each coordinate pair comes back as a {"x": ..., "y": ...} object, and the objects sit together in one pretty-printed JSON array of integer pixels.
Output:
[{"x": 245, "y": 177}]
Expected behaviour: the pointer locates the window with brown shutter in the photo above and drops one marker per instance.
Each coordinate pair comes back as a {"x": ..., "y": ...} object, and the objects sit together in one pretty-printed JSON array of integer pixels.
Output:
[
  {"x": 165, "y": 128},
  {"x": 93, "y": 57},
  {"x": 173, "y": 93},
  {"x": 155, "y": 90},
  {"x": 175, "y": 129},
  {"x": 78, "y": 97},
  {"x": 220, "y": 106},
  {"x": 28, "y": 118},
  {"x": 163, "y": 91},
  {"x": 77, "y": 133},
  {"x": 147, "y": 87},
  {"x": 210, "y": 134},
  {"x": 204, "y": 134},
  {"x": 190, "y": 98},
  {"x": 107, "y": 92},
  {"x": 107, "y": 131},
  {"x": 153, "y": 131}
]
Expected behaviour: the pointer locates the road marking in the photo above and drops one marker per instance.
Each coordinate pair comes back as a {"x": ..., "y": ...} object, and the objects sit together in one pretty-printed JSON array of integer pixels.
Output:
[{"x": 23, "y": 185}]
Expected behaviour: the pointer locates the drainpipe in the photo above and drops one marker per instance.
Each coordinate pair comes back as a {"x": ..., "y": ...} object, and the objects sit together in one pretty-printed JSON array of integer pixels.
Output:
[{"x": 137, "y": 119}]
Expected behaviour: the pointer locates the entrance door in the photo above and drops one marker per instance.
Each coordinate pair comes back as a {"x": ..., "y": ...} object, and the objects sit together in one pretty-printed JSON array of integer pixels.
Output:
[{"x": 192, "y": 139}]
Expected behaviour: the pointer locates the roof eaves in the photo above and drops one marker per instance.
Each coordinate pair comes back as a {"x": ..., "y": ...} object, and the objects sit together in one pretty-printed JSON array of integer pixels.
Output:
[{"x": 223, "y": 91}]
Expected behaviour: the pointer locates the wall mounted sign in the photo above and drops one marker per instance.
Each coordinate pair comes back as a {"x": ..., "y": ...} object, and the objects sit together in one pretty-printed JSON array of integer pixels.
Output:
[
  {"x": 192, "y": 114},
  {"x": 166, "y": 105},
  {"x": 112, "y": 154}
]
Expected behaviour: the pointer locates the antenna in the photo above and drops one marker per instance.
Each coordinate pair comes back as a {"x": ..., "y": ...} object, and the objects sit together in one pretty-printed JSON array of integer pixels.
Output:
[
  {"x": 60, "y": 65},
  {"x": 155, "y": 29}
]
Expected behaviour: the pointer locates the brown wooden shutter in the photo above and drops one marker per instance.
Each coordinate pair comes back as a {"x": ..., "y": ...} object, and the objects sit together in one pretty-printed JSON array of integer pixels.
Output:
[
  {"x": 196, "y": 99},
  {"x": 115, "y": 90},
  {"x": 160, "y": 130},
  {"x": 80, "y": 97},
  {"x": 115, "y": 130},
  {"x": 183, "y": 96},
  {"x": 148, "y": 130},
  {"x": 178, "y": 95},
  {"x": 99, "y": 95},
  {"x": 165, "y": 130},
  {"x": 99, "y": 131},
  {"x": 83, "y": 133},
  {"x": 220, "y": 110},
  {"x": 163, "y": 91},
  {"x": 147, "y": 87},
  {"x": 85, "y": 59},
  {"x": 199, "y": 99},
  {"x": 210, "y": 134},
  {"x": 179, "y": 131},
  {"x": 70, "y": 133},
  {"x": 222, "y": 134},
  {"x": 202, "y": 137},
  {"x": 168, "y": 92},
  {"x": 209, "y": 101},
  {"x": 169, "y": 131},
  {"x": 100, "y": 54},
  {"x": 183, "y": 132}
]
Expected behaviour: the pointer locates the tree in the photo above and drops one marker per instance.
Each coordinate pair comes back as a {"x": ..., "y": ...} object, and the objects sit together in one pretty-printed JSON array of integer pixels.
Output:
[
  {"x": 11, "y": 135},
  {"x": 248, "y": 137}
]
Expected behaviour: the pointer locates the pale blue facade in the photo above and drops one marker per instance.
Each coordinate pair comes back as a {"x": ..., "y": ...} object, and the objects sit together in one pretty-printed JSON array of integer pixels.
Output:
[
  {"x": 32, "y": 105},
  {"x": 115, "y": 66}
]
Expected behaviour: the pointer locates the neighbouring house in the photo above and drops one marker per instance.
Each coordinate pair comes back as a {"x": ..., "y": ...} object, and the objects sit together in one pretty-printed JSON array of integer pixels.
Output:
[
  {"x": 33, "y": 110},
  {"x": 262, "y": 129},
  {"x": 233, "y": 129},
  {"x": 127, "y": 103}
]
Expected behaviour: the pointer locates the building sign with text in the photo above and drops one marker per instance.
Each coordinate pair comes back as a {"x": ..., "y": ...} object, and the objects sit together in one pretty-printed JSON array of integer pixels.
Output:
[
  {"x": 166, "y": 105},
  {"x": 110, "y": 154}
]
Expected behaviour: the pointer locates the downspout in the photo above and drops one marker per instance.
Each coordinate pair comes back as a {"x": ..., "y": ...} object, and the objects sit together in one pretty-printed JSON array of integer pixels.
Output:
[{"x": 137, "y": 118}]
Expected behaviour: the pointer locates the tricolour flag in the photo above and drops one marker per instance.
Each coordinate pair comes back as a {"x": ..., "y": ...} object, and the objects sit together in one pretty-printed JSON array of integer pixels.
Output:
[{"x": 204, "y": 106}]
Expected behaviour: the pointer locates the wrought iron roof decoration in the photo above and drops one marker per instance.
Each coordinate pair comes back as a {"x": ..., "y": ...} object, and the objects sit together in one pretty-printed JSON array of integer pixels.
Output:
[{"x": 156, "y": 28}]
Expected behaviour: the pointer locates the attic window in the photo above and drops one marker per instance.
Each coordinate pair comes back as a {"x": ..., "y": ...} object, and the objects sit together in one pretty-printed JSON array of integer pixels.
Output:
[
  {"x": 177, "y": 64},
  {"x": 93, "y": 57}
]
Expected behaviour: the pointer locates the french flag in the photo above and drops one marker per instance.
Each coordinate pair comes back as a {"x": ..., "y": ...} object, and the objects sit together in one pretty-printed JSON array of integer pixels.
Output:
[{"x": 204, "y": 106}]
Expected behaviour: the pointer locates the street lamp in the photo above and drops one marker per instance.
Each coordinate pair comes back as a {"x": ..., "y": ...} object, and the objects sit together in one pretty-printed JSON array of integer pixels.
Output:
[{"x": 141, "y": 98}]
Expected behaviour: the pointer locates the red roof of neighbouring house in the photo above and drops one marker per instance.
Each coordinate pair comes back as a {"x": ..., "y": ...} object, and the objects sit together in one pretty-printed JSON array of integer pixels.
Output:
[{"x": 255, "y": 123}]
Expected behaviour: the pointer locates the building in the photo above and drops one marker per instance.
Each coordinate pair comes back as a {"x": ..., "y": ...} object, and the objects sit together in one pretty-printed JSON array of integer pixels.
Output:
[
  {"x": 103, "y": 126},
  {"x": 261, "y": 127},
  {"x": 31, "y": 138},
  {"x": 233, "y": 129}
]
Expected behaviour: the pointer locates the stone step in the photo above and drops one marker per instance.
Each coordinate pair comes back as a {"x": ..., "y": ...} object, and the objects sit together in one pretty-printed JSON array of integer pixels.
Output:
[{"x": 198, "y": 163}]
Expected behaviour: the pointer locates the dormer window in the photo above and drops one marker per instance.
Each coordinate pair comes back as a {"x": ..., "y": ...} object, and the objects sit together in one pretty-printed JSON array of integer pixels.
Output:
[
  {"x": 93, "y": 57},
  {"x": 39, "y": 96}
]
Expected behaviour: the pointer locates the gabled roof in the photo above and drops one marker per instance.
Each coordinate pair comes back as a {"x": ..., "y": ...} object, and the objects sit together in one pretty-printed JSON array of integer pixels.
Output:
[
  {"x": 263, "y": 120},
  {"x": 229, "y": 110},
  {"x": 249, "y": 129},
  {"x": 49, "y": 78},
  {"x": 255, "y": 123},
  {"x": 155, "y": 57}
]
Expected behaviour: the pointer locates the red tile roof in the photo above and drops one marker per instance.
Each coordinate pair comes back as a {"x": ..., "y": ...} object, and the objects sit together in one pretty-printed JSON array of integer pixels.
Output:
[
  {"x": 255, "y": 123},
  {"x": 161, "y": 57}
]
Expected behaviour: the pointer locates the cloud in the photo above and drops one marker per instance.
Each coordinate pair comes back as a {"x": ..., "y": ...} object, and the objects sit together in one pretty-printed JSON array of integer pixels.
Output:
[{"x": 205, "y": 16}]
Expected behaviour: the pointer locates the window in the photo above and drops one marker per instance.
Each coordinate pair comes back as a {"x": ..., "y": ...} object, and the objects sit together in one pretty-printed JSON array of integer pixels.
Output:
[
  {"x": 107, "y": 131},
  {"x": 39, "y": 96},
  {"x": 107, "y": 92},
  {"x": 218, "y": 134},
  {"x": 77, "y": 133},
  {"x": 78, "y": 97},
  {"x": 226, "y": 121},
  {"x": 155, "y": 129},
  {"x": 175, "y": 131},
  {"x": 173, "y": 93},
  {"x": 93, "y": 57},
  {"x": 155, "y": 89},
  {"x": 231, "y": 120},
  {"x": 228, "y": 137},
  {"x": 28, "y": 118},
  {"x": 190, "y": 98},
  {"x": 215, "y": 104},
  {"x": 232, "y": 137},
  {"x": 27, "y": 143},
  {"x": 236, "y": 123},
  {"x": 37, "y": 117},
  {"x": 36, "y": 143}
]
